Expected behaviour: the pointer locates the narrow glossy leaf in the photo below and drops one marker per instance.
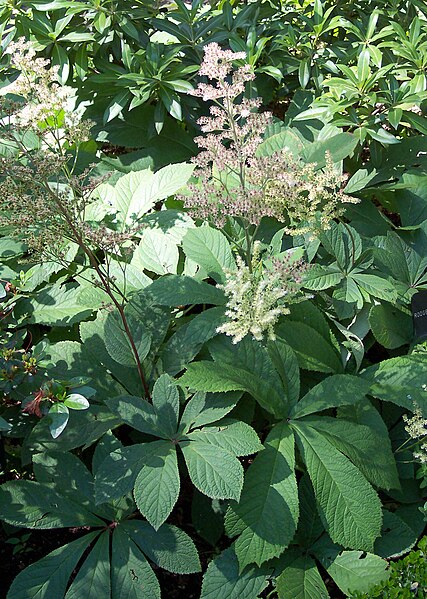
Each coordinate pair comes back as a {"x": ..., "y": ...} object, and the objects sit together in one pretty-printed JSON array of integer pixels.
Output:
[
  {"x": 342, "y": 490},
  {"x": 214, "y": 471},
  {"x": 58, "y": 419},
  {"x": 236, "y": 437},
  {"x": 75, "y": 401},
  {"x": 165, "y": 399},
  {"x": 48, "y": 577},
  {"x": 169, "y": 547},
  {"x": 209, "y": 249},
  {"x": 93, "y": 578},
  {"x": 131, "y": 575},
  {"x": 223, "y": 579},
  {"x": 301, "y": 580},
  {"x": 157, "y": 484},
  {"x": 333, "y": 391},
  {"x": 268, "y": 511}
]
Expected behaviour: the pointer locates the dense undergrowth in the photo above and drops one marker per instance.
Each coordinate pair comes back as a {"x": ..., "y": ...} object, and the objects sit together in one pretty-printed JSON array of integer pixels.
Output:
[{"x": 213, "y": 267}]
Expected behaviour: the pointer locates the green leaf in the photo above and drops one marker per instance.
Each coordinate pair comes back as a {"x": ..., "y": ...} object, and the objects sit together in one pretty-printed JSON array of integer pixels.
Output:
[
  {"x": 118, "y": 344},
  {"x": 178, "y": 290},
  {"x": 209, "y": 249},
  {"x": 131, "y": 575},
  {"x": 351, "y": 570},
  {"x": 136, "y": 412},
  {"x": 116, "y": 475},
  {"x": 222, "y": 579},
  {"x": 348, "y": 505},
  {"x": 286, "y": 364},
  {"x": 313, "y": 351},
  {"x": 106, "y": 445},
  {"x": 169, "y": 547},
  {"x": 318, "y": 278},
  {"x": 368, "y": 450},
  {"x": 69, "y": 475},
  {"x": 205, "y": 408},
  {"x": 37, "y": 505},
  {"x": 268, "y": 511},
  {"x": 375, "y": 286},
  {"x": 165, "y": 399},
  {"x": 48, "y": 577},
  {"x": 239, "y": 368},
  {"x": 186, "y": 343},
  {"x": 236, "y": 437},
  {"x": 333, "y": 391},
  {"x": 310, "y": 525},
  {"x": 213, "y": 470},
  {"x": 397, "y": 537},
  {"x": 93, "y": 578},
  {"x": 157, "y": 484},
  {"x": 301, "y": 580},
  {"x": 400, "y": 381},
  {"x": 339, "y": 146},
  {"x": 54, "y": 306},
  {"x": 136, "y": 193},
  {"x": 75, "y": 401},
  {"x": 157, "y": 252},
  {"x": 390, "y": 326},
  {"x": 58, "y": 419}
]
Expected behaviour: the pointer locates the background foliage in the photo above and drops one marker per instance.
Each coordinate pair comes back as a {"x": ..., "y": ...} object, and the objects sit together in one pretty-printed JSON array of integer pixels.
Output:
[{"x": 280, "y": 468}]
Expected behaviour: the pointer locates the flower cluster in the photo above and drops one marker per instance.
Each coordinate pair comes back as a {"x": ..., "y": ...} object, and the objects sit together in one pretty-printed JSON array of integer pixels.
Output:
[
  {"x": 258, "y": 296},
  {"x": 44, "y": 100},
  {"x": 234, "y": 180},
  {"x": 416, "y": 427}
]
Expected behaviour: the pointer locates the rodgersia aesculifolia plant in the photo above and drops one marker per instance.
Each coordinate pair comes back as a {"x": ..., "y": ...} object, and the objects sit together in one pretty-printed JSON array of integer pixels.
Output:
[{"x": 235, "y": 182}]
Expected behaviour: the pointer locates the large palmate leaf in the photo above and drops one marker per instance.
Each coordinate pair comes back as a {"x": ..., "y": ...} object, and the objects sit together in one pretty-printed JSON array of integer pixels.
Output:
[
  {"x": 136, "y": 192},
  {"x": 38, "y": 505},
  {"x": 117, "y": 341},
  {"x": 400, "y": 381},
  {"x": 213, "y": 470},
  {"x": 368, "y": 450},
  {"x": 186, "y": 343},
  {"x": 209, "y": 249},
  {"x": 351, "y": 570},
  {"x": 165, "y": 399},
  {"x": 236, "y": 437},
  {"x": 301, "y": 580},
  {"x": 131, "y": 575},
  {"x": 54, "y": 306},
  {"x": 136, "y": 412},
  {"x": 205, "y": 408},
  {"x": 48, "y": 577},
  {"x": 179, "y": 290},
  {"x": 286, "y": 364},
  {"x": 93, "y": 578},
  {"x": 349, "y": 507},
  {"x": 223, "y": 580},
  {"x": 157, "y": 484},
  {"x": 169, "y": 547},
  {"x": 267, "y": 514},
  {"x": 333, "y": 391},
  {"x": 244, "y": 367}
]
